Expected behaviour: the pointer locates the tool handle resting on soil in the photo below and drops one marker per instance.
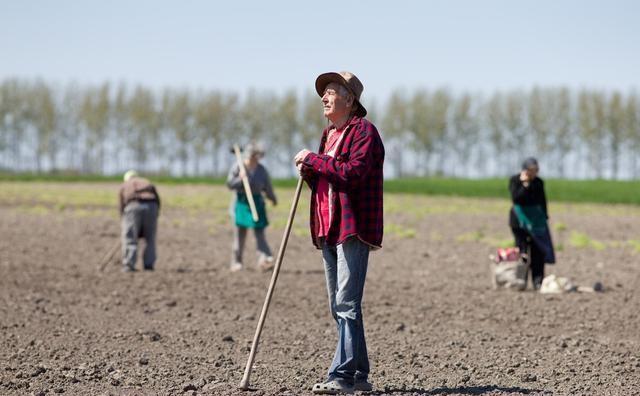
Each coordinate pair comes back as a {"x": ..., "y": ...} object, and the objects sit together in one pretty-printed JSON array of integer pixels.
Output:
[
  {"x": 245, "y": 183},
  {"x": 108, "y": 256},
  {"x": 244, "y": 384}
]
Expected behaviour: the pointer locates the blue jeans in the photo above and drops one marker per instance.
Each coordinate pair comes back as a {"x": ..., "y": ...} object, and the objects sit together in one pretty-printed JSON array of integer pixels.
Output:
[{"x": 346, "y": 269}]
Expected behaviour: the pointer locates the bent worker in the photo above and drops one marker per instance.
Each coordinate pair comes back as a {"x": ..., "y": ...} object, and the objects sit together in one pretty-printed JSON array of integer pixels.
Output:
[
  {"x": 528, "y": 219},
  {"x": 345, "y": 177},
  {"x": 260, "y": 184},
  {"x": 139, "y": 210}
]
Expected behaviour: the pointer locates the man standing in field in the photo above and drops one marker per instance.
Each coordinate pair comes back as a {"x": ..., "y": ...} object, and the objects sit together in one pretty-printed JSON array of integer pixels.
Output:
[
  {"x": 345, "y": 177},
  {"x": 139, "y": 209}
]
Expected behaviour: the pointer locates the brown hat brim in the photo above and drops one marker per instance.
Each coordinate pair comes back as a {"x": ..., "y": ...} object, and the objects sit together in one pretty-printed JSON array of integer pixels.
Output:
[{"x": 327, "y": 78}]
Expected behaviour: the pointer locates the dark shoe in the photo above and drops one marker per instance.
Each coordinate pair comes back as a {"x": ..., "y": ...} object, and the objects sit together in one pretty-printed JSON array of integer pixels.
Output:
[
  {"x": 148, "y": 268},
  {"x": 363, "y": 386},
  {"x": 537, "y": 283}
]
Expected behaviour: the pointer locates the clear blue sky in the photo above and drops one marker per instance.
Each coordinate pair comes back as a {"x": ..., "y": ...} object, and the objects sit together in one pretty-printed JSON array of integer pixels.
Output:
[{"x": 235, "y": 45}]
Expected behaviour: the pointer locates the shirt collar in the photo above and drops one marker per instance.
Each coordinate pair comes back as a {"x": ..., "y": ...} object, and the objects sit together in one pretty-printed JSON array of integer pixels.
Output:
[{"x": 354, "y": 119}]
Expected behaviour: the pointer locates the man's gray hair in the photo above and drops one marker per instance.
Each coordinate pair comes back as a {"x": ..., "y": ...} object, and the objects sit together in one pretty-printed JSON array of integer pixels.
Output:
[{"x": 345, "y": 93}]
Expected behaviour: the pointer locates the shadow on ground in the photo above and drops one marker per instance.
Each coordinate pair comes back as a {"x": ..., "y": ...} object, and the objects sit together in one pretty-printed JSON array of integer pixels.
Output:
[{"x": 462, "y": 390}]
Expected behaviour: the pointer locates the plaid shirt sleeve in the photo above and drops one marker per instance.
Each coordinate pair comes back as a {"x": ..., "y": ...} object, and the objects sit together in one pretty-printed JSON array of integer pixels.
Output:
[{"x": 345, "y": 170}]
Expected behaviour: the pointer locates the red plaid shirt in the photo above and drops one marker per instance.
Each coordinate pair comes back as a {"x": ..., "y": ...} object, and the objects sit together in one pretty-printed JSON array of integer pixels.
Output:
[{"x": 355, "y": 174}]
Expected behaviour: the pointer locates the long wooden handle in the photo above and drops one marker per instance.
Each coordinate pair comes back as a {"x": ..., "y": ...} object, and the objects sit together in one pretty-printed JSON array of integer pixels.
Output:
[
  {"x": 244, "y": 384},
  {"x": 107, "y": 257},
  {"x": 245, "y": 183}
]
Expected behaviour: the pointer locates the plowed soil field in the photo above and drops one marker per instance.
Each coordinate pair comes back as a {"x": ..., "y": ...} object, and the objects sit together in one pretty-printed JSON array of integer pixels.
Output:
[{"x": 434, "y": 324}]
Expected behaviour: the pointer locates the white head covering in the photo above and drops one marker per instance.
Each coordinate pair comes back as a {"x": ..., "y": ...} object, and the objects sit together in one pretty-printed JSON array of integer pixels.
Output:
[
  {"x": 253, "y": 148},
  {"x": 129, "y": 174}
]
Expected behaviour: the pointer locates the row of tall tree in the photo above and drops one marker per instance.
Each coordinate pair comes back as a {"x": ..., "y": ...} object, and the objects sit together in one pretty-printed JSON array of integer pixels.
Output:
[{"x": 110, "y": 128}]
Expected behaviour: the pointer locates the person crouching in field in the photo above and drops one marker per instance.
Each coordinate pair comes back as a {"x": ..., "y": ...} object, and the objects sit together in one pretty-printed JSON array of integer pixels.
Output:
[
  {"x": 345, "y": 177},
  {"x": 139, "y": 209},
  {"x": 528, "y": 219},
  {"x": 260, "y": 183}
]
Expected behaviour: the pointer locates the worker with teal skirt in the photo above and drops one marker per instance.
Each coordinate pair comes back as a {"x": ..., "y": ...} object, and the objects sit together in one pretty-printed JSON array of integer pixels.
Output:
[
  {"x": 529, "y": 218},
  {"x": 260, "y": 184}
]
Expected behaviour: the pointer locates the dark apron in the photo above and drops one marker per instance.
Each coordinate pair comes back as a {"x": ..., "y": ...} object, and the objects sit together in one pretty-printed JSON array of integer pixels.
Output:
[{"x": 533, "y": 220}]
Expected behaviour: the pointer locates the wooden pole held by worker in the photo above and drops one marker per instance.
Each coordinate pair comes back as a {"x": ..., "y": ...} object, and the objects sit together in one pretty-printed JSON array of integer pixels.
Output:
[
  {"x": 244, "y": 384},
  {"x": 245, "y": 183},
  {"x": 106, "y": 259}
]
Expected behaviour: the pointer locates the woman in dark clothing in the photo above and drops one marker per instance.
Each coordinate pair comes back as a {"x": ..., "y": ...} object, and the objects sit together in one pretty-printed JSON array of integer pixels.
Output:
[{"x": 528, "y": 219}]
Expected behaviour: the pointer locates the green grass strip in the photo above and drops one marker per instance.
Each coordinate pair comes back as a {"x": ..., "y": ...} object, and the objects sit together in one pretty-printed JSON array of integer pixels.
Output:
[{"x": 558, "y": 190}]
